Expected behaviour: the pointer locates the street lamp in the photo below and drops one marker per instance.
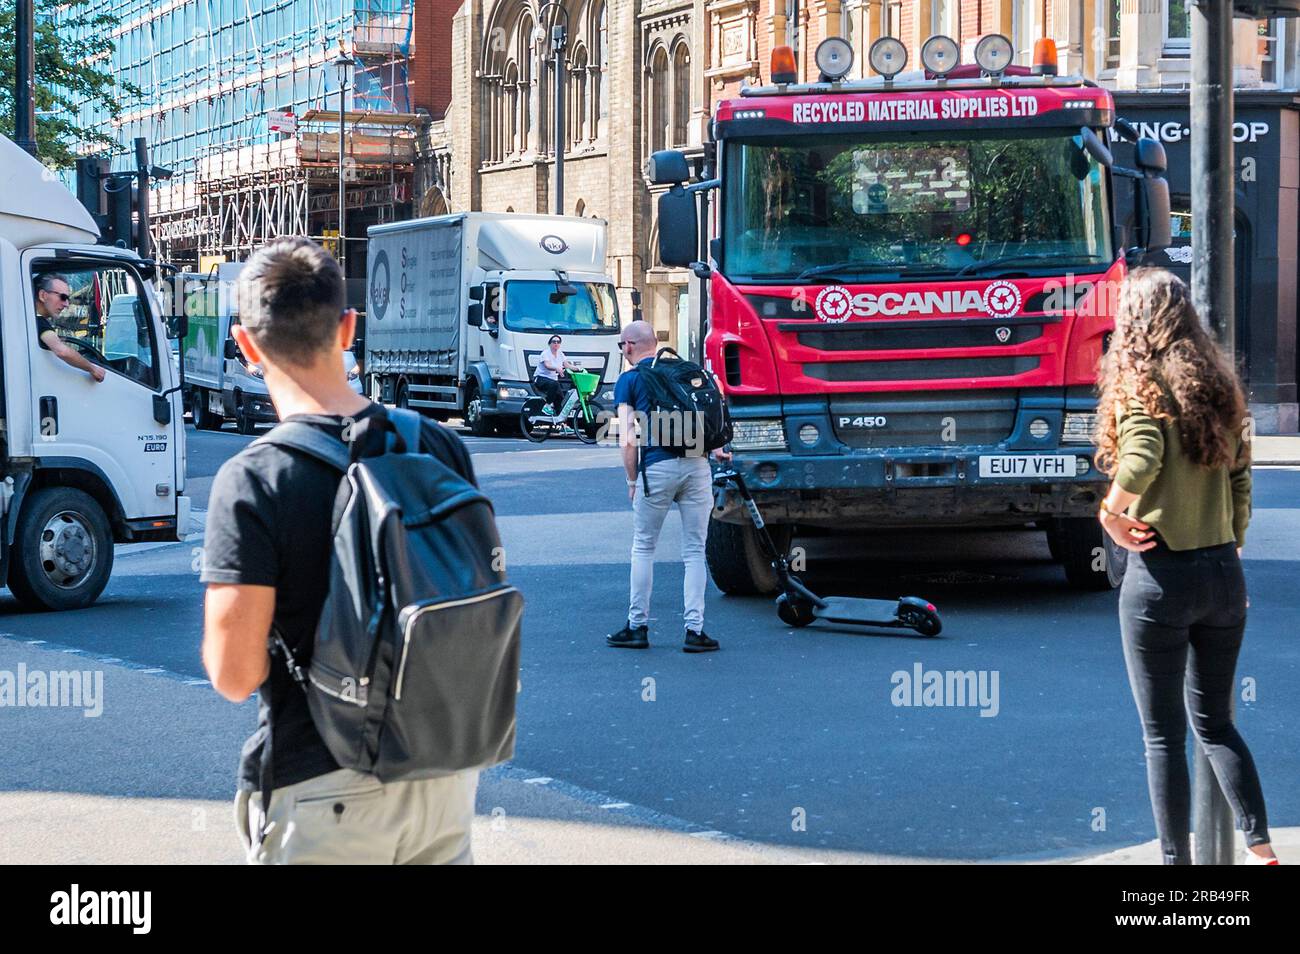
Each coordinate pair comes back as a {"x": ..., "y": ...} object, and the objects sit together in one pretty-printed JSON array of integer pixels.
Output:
[
  {"x": 559, "y": 36},
  {"x": 343, "y": 65}
]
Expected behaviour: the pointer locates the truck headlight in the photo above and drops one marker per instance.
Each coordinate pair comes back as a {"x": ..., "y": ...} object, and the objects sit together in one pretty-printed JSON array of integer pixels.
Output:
[
  {"x": 607, "y": 395},
  {"x": 1079, "y": 427},
  {"x": 509, "y": 392},
  {"x": 254, "y": 370},
  {"x": 354, "y": 373},
  {"x": 758, "y": 435}
]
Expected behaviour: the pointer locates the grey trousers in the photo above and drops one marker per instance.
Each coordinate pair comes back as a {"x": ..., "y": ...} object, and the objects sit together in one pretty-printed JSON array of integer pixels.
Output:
[
  {"x": 687, "y": 482},
  {"x": 350, "y": 818}
]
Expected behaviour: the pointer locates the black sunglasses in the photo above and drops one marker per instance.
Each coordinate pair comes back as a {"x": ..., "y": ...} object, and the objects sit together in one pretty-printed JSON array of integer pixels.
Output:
[{"x": 62, "y": 296}]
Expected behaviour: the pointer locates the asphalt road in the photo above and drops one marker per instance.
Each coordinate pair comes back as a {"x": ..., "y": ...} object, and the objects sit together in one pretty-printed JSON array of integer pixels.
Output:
[{"x": 793, "y": 737}]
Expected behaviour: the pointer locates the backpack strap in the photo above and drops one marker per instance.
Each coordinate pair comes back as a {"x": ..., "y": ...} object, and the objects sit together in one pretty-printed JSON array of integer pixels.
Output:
[
  {"x": 407, "y": 424},
  {"x": 310, "y": 440}
]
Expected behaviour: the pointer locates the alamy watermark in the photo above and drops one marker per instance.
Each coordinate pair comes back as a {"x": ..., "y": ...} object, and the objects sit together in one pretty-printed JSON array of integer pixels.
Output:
[
  {"x": 958, "y": 688},
  {"x": 62, "y": 689}
]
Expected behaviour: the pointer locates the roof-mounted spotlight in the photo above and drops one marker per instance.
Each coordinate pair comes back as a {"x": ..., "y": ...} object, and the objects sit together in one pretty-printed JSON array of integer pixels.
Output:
[
  {"x": 994, "y": 53},
  {"x": 834, "y": 58},
  {"x": 887, "y": 56},
  {"x": 940, "y": 55}
]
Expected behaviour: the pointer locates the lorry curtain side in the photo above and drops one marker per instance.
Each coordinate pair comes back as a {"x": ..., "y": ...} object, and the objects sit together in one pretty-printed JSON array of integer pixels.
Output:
[{"x": 414, "y": 300}]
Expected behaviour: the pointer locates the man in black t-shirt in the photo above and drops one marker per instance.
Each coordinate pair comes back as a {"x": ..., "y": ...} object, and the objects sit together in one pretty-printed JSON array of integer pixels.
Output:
[{"x": 267, "y": 556}]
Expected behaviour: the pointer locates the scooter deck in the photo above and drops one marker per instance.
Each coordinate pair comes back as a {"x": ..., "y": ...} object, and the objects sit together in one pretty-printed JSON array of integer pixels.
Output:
[{"x": 847, "y": 609}]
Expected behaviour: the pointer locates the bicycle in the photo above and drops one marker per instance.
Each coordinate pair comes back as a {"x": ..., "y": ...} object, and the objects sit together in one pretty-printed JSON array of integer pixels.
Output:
[{"x": 580, "y": 412}]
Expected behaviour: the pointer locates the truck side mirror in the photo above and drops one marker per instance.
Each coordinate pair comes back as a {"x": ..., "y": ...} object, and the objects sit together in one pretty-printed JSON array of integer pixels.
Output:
[
  {"x": 178, "y": 326},
  {"x": 474, "y": 315},
  {"x": 667, "y": 167},
  {"x": 231, "y": 350},
  {"x": 678, "y": 228},
  {"x": 162, "y": 409},
  {"x": 1149, "y": 154},
  {"x": 1154, "y": 213},
  {"x": 476, "y": 293}
]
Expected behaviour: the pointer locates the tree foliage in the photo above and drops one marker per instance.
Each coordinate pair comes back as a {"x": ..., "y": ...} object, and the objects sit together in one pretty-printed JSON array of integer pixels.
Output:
[{"x": 73, "y": 51}]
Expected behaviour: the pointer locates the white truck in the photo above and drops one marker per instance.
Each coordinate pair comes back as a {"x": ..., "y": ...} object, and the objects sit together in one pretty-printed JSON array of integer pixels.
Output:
[
  {"x": 459, "y": 309},
  {"x": 220, "y": 385},
  {"x": 83, "y": 464}
]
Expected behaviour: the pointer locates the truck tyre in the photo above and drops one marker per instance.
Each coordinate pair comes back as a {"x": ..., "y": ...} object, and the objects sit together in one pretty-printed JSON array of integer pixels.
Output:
[
  {"x": 479, "y": 424},
  {"x": 244, "y": 422},
  {"x": 204, "y": 419},
  {"x": 736, "y": 560},
  {"x": 402, "y": 399},
  {"x": 1091, "y": 560},
  {"x": 63, "y": 550}
]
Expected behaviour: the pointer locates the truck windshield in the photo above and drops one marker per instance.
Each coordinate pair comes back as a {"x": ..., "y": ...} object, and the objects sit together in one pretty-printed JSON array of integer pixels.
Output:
[
  {"x": 829, "y": 208},
  {"x": 592, "y": 310}
]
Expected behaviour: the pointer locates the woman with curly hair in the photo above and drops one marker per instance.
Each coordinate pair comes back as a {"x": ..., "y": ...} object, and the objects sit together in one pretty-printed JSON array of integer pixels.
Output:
[{"x": 1172, "y": 435}]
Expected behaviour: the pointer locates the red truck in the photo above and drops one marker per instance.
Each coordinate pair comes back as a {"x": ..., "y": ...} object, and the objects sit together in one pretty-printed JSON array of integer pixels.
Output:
[{"x": 906, "y": 284}]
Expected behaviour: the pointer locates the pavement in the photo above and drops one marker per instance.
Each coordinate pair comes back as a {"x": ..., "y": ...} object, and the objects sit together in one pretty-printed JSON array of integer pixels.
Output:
[{"x": 1277, "y": 449}]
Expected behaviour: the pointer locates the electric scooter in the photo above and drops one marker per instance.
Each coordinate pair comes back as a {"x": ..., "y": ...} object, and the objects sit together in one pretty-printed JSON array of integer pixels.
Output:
[{"x": 799, "y": 606}]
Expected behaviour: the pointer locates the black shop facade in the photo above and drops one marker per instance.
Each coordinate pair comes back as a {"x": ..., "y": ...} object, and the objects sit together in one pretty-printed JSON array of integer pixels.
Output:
[{"x": 1266, "y": 144}]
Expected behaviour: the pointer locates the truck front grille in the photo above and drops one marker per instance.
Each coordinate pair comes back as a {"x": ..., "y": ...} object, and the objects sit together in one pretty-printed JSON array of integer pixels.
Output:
[
  {"x": 920, "y": 369},
  {"x": 924, "y": 418}
]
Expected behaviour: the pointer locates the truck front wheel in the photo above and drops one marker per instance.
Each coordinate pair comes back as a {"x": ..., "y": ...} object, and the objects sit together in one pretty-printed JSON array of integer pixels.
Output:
[
  {"x": 736, "y": 560},
  {"x": 479, "y": 424},
  {"x": 63, "y": 553},
  {"x": 1090, "y": 558}
]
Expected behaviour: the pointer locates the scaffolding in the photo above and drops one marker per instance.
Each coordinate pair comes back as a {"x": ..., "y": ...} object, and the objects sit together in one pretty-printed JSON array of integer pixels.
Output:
[
  {"x": 250, "y": 193},
  {"x": 212, "y": 72}
]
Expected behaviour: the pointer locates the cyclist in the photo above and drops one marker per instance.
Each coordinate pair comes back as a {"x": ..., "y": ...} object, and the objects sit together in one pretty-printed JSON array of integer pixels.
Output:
[{"x": 550, "y": 366}]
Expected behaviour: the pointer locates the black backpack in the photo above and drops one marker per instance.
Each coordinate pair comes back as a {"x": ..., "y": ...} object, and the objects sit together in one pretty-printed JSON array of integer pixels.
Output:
[
  {"x": 682, "y": 390},
  {"x": 415, "y": 663}
]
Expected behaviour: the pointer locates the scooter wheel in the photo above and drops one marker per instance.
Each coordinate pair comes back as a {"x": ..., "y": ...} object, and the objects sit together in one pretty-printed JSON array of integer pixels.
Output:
[
  {"x": 921, "y": 618},
  {"x": 794, "y": 612}
]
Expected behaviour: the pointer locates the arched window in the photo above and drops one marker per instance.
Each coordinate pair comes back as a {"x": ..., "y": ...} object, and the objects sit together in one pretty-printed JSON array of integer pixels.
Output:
[
  {"x": 513, "y": 116},
  {"x": 658, "y": 99},
  {"x": 599, "y": 65},
  {"x": 681, "y": 94},
  {"x": 581, "y": 208},
  {"x": 524, "y": 54},
  {"x": 578, "y": 121}
]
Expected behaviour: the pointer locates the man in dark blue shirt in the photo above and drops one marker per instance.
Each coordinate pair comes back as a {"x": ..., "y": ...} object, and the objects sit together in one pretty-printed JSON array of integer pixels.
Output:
[{"x": 682, "y": 478}]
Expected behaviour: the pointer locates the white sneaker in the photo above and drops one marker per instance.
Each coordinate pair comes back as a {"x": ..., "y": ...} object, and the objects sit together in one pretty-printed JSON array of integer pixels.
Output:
[{"x": 1254, "y": 859}]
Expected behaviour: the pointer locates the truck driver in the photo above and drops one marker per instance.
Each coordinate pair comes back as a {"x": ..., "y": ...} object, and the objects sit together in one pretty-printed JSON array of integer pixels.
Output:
[{"x": 52, "y": 295}]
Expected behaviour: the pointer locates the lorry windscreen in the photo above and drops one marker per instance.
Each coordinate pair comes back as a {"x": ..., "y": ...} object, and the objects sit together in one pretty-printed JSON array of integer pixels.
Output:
[
  {"x": 826, "y": 208},
  {"x": 529, "y": 308}
]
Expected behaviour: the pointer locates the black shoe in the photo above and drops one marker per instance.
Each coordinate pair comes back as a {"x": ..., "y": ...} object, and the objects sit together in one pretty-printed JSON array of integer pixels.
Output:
[
  {"x": 630, "y": 637},
  {"x": 698, "y": 643}
]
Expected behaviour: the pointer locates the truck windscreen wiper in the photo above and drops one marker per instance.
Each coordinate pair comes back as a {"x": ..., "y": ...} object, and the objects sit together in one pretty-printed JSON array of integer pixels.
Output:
[
  {"x": 976, "y": 267},
  {"x": 860, "y": 268}
]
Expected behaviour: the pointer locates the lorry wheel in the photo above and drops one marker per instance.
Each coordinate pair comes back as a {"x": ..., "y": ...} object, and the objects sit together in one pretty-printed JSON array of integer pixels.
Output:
[
  {"x": 63, "y": 550},
  {"x": 736, "y": 560},
  {"x": 402, "y": 399},
  {"x": 1092, "y": 561},
  {"x": 204, "y": 419},
  {"x": 244, "y": 422},
  {"x": 478, "y": 423}
]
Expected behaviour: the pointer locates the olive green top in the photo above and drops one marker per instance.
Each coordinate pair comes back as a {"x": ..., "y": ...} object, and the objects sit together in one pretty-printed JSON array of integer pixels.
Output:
[{"x": 1190, "y": 506}]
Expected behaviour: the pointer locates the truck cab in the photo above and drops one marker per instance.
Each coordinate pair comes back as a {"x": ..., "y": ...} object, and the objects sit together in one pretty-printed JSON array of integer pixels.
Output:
[{"x": 83, "y": 464}]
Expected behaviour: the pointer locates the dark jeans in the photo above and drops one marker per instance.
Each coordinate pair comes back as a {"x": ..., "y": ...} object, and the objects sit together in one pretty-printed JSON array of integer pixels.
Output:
[
  {"x": 549, "y": 389},
  {"x": 1173, "y": 603}
]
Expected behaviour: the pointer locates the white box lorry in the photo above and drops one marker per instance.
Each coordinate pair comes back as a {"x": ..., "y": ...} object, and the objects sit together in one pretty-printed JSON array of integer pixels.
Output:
[
  {"x": 459, "y": 309},
  {"x": 220, "y": 385},
  {"x": 82, "y": 464}
]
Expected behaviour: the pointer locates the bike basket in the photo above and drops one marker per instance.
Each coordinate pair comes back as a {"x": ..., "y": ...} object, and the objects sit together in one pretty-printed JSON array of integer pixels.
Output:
[{"x": 585, "y": 382}]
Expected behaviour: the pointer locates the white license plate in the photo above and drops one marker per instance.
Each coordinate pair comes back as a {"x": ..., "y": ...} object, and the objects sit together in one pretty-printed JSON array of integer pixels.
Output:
[{"x": 1027, "y": 465}]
